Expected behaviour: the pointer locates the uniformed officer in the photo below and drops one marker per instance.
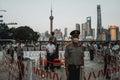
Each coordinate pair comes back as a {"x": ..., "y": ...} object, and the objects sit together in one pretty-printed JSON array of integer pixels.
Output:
[
  {"x": 91, "y": 50},
  {"x": 73, "y": 57},
  {"x": 107, "y": 59}
]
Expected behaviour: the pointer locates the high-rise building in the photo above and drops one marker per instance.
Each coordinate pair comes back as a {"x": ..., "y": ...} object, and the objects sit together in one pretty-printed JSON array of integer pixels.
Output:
[
  {"x": 65, "y": 37},
  {"x": 89, "y": 25},
  {"x": 114, "y": 31},
  {"x": 99, "y": 21},
  {"x": 86, "y": 29},
  {"x": 58, "y": 34},
  {"x": 78, "y": 27},
  {"x": 84, "y": 33},
  {"x": 65, "y": 32},
  {"x": 104, "y": 35},
  {"x": 119, "y": 36},
  {"x": 93, "y": 33}
]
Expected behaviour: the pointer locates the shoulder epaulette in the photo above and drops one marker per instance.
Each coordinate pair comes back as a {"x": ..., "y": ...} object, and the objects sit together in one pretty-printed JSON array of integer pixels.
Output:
[{"x": 68, "y": 44}]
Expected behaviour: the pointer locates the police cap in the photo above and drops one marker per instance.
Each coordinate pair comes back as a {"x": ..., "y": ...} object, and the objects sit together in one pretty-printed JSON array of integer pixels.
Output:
[{"x": 75, "y": 32}]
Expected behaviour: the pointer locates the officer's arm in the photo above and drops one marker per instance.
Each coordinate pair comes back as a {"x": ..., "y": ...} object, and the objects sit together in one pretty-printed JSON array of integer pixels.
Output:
[
  {"x": 66, "y": 56},
  {"x": 68, "y": 44},
  {"x": 107, "y": 58},
  {"x": 82, "y": 57},
  {"x": 66, "y": 62}
]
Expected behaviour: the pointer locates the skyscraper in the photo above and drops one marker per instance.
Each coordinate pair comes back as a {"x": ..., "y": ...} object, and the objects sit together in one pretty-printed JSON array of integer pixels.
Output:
[
  {"x": 89, "y": 26},
  {"x": 65, "y": 32},
  {"x": 58, "y": 34},
  {"x": 93, "y": 32},
  {"x": 86, "y": 29},
  {"x": 78, "y": 27},
  {"x": 99, "y": 21},
  {"x": 114, "y": 31}
]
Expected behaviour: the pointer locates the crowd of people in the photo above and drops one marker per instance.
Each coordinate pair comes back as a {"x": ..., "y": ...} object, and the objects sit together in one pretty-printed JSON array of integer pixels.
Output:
[
  {"x": 10, "y": 50},
  {"x": 74, "y": 54},
  {"x": 108, "y": 51}
]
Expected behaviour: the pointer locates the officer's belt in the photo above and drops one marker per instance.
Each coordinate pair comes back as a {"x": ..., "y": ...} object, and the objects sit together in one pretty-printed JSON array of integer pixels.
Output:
[{"x": 74, "y": 66}]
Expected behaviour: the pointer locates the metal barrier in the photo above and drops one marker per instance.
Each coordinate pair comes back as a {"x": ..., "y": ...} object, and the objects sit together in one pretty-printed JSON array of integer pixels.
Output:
[
  {"x": 39, "y": 73},
  {"x": 12, "y": 68}
]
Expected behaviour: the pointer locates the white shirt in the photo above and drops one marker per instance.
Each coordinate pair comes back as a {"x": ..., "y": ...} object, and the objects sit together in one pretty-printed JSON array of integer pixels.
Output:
[
  {"x": 50, "y": 47},
  {"x": 95, "y": 46},
  {"x": 115, "y": 47}
]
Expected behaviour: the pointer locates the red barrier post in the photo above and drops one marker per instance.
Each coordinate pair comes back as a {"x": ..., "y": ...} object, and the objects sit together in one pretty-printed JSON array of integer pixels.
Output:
[{"x": 55, "y": 75}]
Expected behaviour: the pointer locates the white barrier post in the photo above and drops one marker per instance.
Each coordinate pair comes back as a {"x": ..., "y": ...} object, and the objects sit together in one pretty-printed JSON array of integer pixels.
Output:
[{"x": 81, "y": 72}]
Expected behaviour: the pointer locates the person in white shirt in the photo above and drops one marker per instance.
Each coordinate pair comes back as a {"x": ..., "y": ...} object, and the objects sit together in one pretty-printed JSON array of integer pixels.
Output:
[
  {"x": 50, "y": 49},
  {"x": 115, "y": 50}
]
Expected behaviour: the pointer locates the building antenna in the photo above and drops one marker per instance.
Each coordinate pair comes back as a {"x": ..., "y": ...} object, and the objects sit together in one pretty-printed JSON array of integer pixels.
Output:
[{"x": 51, "y": 8}]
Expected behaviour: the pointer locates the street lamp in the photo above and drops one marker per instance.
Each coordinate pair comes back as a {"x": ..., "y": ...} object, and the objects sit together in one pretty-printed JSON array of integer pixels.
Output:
[
  {"x": 2, "y": 10},
  {"x": 13, "y": 23}
]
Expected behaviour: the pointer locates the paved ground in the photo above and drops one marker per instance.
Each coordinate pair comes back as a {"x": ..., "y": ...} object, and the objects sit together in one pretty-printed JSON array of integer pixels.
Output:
[
  {"x": 90, "y": 71},
  {"x": 3, "y": 73}
]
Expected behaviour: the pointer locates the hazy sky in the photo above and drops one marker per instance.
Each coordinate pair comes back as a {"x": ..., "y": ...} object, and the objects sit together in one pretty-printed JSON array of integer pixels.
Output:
[{"x": 35, "y": 13}]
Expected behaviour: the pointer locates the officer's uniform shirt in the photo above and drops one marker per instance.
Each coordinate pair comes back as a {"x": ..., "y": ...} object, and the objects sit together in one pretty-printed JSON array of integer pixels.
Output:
[
  {"x": 19, "y": 51},
  {"x": 107, "y": 54},
  {"x": 92, "y": 47},
  {"x": 74, "y": 55},
  {"x": 107, "y": 51}
]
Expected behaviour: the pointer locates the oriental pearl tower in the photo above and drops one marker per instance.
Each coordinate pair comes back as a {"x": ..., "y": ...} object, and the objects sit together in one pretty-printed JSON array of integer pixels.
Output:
[{"x": 51, "y": 21}]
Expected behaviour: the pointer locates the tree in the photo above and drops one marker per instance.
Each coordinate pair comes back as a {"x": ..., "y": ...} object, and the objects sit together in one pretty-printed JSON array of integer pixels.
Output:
[
  {"x": 25, "y": 33},
  {"x": 4, "y": 29},
  {"x": 21, "y": 33},
  {"x": 11, "y": 33},
  {"x": 35, "y": 36}
]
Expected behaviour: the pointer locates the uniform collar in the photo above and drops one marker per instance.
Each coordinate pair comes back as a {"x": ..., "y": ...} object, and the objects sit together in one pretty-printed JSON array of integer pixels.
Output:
[{"x": 75, "y": 45}]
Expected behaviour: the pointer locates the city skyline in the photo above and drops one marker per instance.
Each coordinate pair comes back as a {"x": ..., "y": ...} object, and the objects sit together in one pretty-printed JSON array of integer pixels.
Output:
[{"x": 66, "y": 13}]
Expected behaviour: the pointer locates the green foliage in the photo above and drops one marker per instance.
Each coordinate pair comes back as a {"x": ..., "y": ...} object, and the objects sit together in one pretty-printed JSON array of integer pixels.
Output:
[
  {"x": 25, "y": 33},
  {"x": 4, "y": 31},
  {"x": 21, "y": 33}
]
